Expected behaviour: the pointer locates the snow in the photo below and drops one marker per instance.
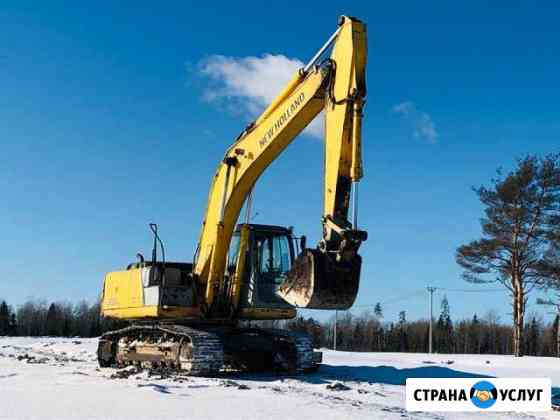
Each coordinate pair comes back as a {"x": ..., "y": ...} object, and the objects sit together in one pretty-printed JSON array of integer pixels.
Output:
[{"x": 59, "y": 378}]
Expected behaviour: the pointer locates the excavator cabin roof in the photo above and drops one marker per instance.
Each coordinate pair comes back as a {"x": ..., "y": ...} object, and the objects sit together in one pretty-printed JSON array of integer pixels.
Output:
[{"x": 266, "y": 228}]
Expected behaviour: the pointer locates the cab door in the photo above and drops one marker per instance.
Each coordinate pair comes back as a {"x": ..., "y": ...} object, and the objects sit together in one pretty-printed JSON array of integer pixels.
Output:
[
  {"x": 268, "y": 259},
  {"x": 273, "y": 261}
]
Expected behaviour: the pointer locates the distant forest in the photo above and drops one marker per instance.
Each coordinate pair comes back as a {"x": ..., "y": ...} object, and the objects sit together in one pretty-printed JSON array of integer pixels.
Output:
[
  {"x": 57, "y": 319},
  {"x": 365, "y": 332}
]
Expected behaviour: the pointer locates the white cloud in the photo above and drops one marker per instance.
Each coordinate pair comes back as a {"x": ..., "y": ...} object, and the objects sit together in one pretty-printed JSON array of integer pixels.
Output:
[
  {"x": 423, "y": 125},
  {"x": 404, "y": 108},
  {"x": 247, "y": 85}
]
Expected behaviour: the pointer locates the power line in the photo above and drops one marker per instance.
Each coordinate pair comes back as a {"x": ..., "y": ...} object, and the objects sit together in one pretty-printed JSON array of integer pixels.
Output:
[
  {"x": 417, "y": 293},
  {"x": 469, "y": 290},
  {"x": 392, "y": 300}
]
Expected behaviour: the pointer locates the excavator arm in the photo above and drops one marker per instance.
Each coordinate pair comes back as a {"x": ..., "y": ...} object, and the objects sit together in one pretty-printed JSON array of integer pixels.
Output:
[{"x": 326, "y": 277}]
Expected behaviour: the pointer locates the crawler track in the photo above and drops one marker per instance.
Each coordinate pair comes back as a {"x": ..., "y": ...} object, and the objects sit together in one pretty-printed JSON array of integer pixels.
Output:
[
  {"x": 192, "y": 351},
  {"x": 303, "y": 346},
  {"x": 206, "y": 352}
]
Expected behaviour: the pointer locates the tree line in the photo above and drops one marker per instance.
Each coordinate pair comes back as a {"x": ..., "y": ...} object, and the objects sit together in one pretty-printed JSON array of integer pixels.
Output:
[
  {"x": 368, "y": 331},
  {"x": 36, "y": 317},
  {"x": 485, "y": 334}
]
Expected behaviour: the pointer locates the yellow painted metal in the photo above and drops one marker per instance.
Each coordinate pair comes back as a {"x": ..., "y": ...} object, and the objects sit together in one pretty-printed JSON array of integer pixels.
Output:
[
  {"x": 266, "y": 313},
  {"x": 240, "y": 265},
  {"x": 123, "y": 298},
  {"x": 356, "y": 171},
  {"x": 123, "y": 289},
  {"x": 132, "y": 313},
  {"x": 342, "y": 134},
  {"x": 279, "y": 100},
  {"x": 152, "y": 311}
]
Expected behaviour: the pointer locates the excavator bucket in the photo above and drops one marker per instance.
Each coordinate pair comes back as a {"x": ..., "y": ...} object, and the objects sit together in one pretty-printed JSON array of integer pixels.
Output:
[{"x": 318, "y": 282}]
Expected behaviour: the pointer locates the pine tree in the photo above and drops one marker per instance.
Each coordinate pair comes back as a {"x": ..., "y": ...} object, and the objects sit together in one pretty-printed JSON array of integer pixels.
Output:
[
  {"x": 403, "y": 344},
  {"x": 533, "y": 338},
  {"x": 4, "y": 318},
  {"x": 444, "y": 328},
  {"x": 378, "y": 311},
  {"x": 402, "y": 318},
  {"x": 522, "y": 211}
]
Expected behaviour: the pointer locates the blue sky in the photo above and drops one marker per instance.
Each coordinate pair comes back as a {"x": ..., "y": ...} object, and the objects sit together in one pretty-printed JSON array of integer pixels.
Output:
[{"x": 106, "y": 124}]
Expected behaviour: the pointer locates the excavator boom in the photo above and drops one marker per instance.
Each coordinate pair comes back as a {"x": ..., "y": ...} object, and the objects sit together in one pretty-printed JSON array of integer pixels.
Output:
[{"x": 327, "y": 277}]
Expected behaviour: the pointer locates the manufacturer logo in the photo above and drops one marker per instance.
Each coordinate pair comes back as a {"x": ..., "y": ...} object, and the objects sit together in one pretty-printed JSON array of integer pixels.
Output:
[{"x": 288, "y": 113}]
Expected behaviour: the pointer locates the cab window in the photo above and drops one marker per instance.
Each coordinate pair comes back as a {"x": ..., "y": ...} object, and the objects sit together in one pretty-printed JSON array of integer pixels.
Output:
[
  {"x": 233, "y": 251},
  {"x": 274, "y": 256}
]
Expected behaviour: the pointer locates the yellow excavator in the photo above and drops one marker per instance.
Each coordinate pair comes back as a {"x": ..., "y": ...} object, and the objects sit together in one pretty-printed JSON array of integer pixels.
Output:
[{"x": 187, "y": 316}]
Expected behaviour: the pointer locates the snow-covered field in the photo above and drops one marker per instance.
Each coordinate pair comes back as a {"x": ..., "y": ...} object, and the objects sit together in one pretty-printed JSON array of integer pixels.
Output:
[{"x": 59, "y": 378}]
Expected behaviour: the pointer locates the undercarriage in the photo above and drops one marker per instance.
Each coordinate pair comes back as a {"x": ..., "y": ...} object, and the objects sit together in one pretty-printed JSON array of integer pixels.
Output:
[{"x": 208, "y": 350}]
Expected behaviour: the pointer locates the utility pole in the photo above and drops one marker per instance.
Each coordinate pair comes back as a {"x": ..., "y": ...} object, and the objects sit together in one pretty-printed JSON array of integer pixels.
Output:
[
  {"x": 335, "y": 320},
  {"x": 431, "y": 291}
]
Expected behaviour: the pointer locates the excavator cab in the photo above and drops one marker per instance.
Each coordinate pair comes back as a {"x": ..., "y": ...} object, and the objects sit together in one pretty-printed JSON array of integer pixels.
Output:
[
  {"x": 274, "y": 280},
  {"x": 269, "y": 256}
]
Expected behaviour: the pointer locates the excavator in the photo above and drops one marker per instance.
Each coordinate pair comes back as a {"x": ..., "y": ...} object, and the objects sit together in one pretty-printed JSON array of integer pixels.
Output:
[{"x": 191, "y": 317}]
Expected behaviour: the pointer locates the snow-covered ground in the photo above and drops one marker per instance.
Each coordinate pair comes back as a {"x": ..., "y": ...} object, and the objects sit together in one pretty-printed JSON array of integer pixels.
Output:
[{"x": 59, "y": 378}]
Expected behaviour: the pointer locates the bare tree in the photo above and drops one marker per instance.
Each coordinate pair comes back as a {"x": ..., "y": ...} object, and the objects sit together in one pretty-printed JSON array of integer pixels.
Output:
[{"x": 521, "y": 211}]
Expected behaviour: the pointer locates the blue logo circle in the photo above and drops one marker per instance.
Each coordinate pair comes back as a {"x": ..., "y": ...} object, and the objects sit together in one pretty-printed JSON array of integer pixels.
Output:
[{"x": 483, "y": 394}]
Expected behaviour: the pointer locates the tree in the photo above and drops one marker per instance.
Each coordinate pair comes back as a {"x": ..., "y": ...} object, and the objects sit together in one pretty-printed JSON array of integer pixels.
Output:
[
  {"x": 402, "y": 332},
  {"x": 68, "y": 320},
  {"x": 4, "y": 318},
  {"x": 520, "y": 212},
  {"x": 555, "y": 336},
  {"x": 474, "y": 336},
  {"x": 533, "y": 334},
  {"x": 82, "y": 319},
  {"x": 556, "y": 324},
  {"x": 358, "y": 339},
  {"x": 462, "y": 337},
  {"x": 402, "y": 318},
  {"x": 13, "y": 328},
  {"x": 54, "y": 322},
  {"x": 444, "y": 328},
  {"x": 378, "y": 311},
  {"x": 491, "y": 339},
  {"x": 31, "y": 318},
  {"x": 309, "y": 326}
]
